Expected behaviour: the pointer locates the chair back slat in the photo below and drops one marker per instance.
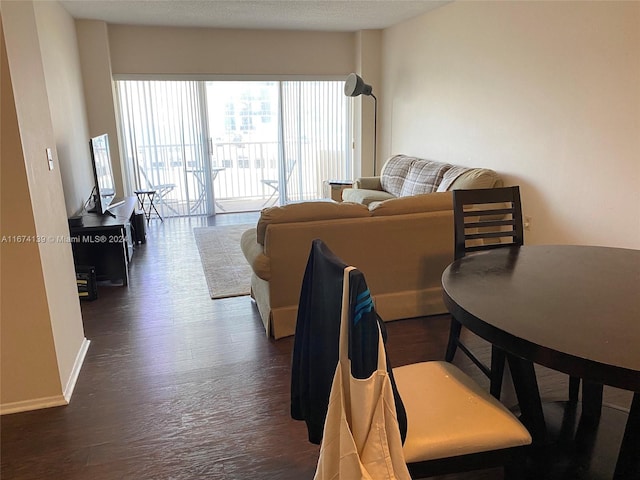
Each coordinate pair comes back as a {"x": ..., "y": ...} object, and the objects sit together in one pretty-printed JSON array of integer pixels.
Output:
[
  {"x": 479, "y": 236},
  {"x": 496, "y": 223},
  {"x": 482, "y": 248},
  {"x": 486, "y": 219},
  {"x": 486, "y": 213}
]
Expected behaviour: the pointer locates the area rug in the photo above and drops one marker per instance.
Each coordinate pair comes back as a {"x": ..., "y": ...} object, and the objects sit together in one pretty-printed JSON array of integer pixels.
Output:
[{"x": 226, "y": 270}]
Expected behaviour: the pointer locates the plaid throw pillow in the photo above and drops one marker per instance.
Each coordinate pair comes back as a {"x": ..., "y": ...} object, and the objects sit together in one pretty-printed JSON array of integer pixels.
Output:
[
  {"x": 424, "y": 177},
  {"x": 395, "y": 172}
]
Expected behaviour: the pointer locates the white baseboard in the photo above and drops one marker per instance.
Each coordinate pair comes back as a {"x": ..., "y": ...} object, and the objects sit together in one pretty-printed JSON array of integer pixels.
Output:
[
  {"x": 55, "y": 400},
  {"x": 32, "y": 404},
  {"x": 75, "y": 372}
]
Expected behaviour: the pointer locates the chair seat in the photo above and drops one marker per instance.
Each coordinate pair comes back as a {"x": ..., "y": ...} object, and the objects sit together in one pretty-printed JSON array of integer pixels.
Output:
[{"x": 480, "y": 422}]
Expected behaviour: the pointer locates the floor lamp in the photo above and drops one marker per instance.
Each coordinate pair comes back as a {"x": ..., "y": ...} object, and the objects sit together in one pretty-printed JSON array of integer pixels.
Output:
[{"x": 355, "y": 86}]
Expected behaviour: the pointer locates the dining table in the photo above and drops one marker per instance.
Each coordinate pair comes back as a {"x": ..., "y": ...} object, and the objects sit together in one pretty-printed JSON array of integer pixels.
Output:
[{"x": 570, "y": 308}]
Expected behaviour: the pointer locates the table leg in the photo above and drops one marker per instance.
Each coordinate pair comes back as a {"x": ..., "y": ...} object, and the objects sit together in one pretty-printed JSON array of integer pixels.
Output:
[
  {"x": 144, "y": 210},
  {"x": 591, "y": 400},
  {"x": 152, "y": 205},
  {"x": 526, "y": 386},
  {"x": 628, "y": 465},
  {"x": 498, "y": 358}
]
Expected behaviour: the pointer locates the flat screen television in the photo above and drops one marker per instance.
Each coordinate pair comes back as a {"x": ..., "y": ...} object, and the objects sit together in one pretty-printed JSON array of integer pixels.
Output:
[{"x": 103, "y": 174}]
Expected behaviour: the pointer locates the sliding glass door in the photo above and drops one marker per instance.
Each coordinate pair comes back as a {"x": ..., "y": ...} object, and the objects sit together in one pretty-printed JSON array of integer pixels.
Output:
[
  {"x": 228, "y": 146},
  {"x": 243, "y": 122},
  {"x": 164, "y": 138}
]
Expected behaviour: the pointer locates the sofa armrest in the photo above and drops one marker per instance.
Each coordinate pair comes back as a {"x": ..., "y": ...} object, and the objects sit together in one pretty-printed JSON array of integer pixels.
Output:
[
  {"x": 254, "y": 253},
  {"x": 474, "y": 178},
  {"x": 368, "y": 183}
]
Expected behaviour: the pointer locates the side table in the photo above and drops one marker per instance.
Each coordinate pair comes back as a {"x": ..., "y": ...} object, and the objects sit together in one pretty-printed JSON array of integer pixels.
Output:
[
  {"x": 333, "y": 188},
  {"x": 143, "y": 197}
]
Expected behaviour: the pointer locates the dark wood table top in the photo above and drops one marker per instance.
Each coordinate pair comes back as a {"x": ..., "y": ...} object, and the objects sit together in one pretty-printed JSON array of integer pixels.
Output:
[{"x": 574, "y": 309}]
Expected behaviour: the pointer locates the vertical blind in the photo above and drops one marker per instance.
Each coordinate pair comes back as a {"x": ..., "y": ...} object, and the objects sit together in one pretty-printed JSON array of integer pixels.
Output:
[
  {"x": 316, "y": 119},
  {"x": 164, "y": 143}
]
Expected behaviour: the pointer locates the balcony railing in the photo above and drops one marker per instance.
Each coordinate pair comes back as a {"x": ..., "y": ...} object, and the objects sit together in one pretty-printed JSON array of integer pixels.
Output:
[
  {"x": 245, "y": 175},
  {"x": 247, "y": 170}
]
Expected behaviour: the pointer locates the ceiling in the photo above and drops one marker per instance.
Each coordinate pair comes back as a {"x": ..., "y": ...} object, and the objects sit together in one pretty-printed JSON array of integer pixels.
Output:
[{"x": 327, "y": 15}]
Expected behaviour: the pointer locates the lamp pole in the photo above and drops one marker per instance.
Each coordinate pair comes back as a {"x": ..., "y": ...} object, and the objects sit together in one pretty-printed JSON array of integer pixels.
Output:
[
  {"x": 375, "y": 131},
  {"x": 355, "y": 86}
]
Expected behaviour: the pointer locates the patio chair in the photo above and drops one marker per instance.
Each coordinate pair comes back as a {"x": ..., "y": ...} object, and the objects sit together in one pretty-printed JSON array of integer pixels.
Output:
[
  {"x": 161, "y": 189},
  {"x": 274, "y": 184}
]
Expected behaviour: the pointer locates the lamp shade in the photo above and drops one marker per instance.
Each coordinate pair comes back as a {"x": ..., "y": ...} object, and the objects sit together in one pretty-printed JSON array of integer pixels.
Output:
[{"x": 354, "y": 86}]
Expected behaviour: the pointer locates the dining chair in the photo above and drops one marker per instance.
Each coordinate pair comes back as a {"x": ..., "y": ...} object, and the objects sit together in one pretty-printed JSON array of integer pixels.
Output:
[
  {"x": 485, "y": 219},
  {"x": 446, "y": 421}
]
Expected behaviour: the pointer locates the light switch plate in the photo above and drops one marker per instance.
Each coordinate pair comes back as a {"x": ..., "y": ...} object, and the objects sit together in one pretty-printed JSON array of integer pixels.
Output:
[{"x": 50, "y": 158}]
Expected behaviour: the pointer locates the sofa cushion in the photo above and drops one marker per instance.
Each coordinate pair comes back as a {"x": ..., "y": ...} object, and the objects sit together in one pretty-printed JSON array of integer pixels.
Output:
[
  {"x": 424, "y": 176},
  {"x": 307, "y": 212},
  {"x": 254, "y": 254},
  {"x": 428, "y": 202},
  {"x": 476, "y": 178},
  {"x": 364, "y": 196}
]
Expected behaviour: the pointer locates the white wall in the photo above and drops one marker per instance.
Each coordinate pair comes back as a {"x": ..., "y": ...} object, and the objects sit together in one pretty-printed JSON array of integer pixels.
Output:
[
  {"x": 368, "y": 66},
  {"x": 95, "y": 65},
  {"x": 42, "y": 335},
  {"x": 130, "y": 51},
  {"x": 59, "y": 45},
  {"x": 546, "y": 93},
  {"x": 27, "y": 355},
  {"x": 177, "y": 50}
]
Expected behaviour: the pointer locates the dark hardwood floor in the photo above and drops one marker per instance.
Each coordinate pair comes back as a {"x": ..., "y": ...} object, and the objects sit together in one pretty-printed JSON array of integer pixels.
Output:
[{"x": 178, "y": 386}]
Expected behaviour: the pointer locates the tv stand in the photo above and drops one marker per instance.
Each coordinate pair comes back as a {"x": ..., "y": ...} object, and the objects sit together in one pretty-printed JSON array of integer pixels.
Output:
[{"x": 106, "y": 241}]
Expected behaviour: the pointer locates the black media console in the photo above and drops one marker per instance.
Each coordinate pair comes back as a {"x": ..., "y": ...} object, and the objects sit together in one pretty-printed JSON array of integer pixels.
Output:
[{"x": 106, "y": 242}]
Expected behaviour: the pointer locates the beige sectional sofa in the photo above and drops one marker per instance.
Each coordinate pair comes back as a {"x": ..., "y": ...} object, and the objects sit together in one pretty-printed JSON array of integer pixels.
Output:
[{"x": 402, "y": 245}]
